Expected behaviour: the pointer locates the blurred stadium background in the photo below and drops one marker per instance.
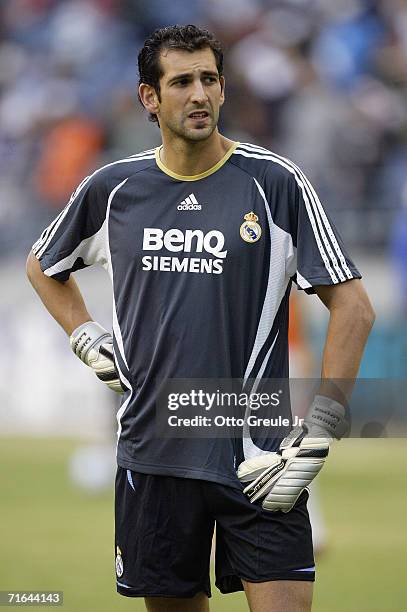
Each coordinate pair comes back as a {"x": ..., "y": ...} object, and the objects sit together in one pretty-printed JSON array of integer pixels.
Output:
[{"x": 319, "y": 81}]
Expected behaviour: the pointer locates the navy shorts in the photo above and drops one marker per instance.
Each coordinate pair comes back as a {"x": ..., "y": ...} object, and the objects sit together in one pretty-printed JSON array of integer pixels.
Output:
[{"x": 164, "y": 528}]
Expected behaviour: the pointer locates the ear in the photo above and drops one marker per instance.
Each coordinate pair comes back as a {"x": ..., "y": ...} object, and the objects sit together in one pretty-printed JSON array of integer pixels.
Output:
[
  {"x": 149, "y": 98},
  {"x": 222, "y": 89}
]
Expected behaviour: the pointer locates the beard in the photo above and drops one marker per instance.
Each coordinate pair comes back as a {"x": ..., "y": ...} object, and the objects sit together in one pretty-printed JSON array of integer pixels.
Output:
[{"x": 191, "y": 134}]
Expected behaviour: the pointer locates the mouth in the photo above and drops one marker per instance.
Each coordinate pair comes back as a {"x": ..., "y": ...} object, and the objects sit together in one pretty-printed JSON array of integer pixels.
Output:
[{"x": 198, "y": 115}]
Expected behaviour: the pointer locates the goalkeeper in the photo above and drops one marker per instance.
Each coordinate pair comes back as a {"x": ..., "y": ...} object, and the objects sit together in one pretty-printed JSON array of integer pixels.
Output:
[{"x": 202, "y": 239}]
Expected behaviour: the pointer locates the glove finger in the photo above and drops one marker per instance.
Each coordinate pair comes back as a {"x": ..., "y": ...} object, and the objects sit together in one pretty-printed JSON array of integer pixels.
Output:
[
  {"x": 280, "y": 504},
  {"x": 251, "y": 469},
  {"x": 106, "y": 350},
  {"x": 111, "y": 380},
  {"x": 107, "y": 376},
  {"x": 103, "y": 365},
  {"x": 262, "y": 485},
  {"x": 116, "y": 386},
  {"x": 289, "y": 485}
]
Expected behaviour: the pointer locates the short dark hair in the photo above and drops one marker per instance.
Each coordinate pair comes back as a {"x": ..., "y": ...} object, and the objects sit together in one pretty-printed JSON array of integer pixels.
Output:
[{"x": 186, "y": 37}]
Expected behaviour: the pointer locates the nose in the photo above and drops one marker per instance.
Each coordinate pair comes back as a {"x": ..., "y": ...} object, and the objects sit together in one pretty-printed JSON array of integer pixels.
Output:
[{"x": 198, "y": 92}]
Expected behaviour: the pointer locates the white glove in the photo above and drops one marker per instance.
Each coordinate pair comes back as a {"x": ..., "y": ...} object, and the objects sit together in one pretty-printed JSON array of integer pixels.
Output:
[
  {"x": 281, "y": 477},
  {"x": 94, "y": 346}
]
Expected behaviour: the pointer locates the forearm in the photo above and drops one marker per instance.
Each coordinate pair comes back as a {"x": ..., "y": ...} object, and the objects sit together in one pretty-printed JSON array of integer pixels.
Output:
[
  {"x": 345, "y": 342},
  {"x": 349, "y": 326},
  {"x": 63, "y": 301}
]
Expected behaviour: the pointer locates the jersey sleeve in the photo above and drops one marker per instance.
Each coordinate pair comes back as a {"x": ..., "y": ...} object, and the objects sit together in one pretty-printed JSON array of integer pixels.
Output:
[
  {"x": 320, "y": 255},
  {"x": 77, "y": 237}
]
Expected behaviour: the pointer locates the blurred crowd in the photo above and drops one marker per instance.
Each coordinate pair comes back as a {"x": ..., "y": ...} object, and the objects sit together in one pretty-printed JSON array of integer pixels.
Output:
[{"x": 320, "y": 81}]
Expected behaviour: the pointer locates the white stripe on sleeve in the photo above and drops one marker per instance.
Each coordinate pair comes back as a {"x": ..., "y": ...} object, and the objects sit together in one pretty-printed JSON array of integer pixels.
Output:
[
  {"x": 309, "y": 208},
  {"x": 324, "y": 225},
  {"x": 42, "y": 243}
]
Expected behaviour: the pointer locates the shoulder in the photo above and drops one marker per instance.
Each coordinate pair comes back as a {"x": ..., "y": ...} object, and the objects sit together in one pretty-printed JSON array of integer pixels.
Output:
[
  {"x": 120, "y": 169},
  {"x": 94, "y": 190},
  {"x": 111, "y": 174},
  {"x": 262, "y": 163}
]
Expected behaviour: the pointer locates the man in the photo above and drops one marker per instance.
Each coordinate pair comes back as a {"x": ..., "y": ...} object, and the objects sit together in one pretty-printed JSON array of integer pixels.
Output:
[{"x": 201, "y": 239}]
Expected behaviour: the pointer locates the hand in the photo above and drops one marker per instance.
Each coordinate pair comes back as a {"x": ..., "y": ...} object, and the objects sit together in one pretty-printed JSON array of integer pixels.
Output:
[
  {"x": 94, "y": 346},
  {"x": 281, "y": 477}
]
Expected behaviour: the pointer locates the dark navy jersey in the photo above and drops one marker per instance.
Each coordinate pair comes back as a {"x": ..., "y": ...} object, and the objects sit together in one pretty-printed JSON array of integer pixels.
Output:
[{"x": 201, "y": 268}]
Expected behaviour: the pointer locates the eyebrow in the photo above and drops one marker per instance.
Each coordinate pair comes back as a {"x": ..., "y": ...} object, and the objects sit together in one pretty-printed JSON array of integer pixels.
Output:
[{"x": 186, "y": 75}]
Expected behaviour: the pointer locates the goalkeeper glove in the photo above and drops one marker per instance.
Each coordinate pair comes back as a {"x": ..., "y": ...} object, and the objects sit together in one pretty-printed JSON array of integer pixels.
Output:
[
  {"x": 94, "y": 346},
  {"x": 281, "y": 477}
]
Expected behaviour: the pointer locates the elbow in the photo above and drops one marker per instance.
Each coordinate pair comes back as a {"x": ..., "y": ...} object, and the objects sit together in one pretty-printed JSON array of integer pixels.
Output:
[
  {"x": 32, "y": 266},
  {"x": 372, "y": 316},
  {"x": 29, "y": 266},
  {"x": 366, "y": 315}
]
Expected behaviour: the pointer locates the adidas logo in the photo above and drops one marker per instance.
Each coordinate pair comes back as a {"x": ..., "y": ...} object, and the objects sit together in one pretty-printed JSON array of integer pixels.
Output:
[{"x": 190, "y": 203}]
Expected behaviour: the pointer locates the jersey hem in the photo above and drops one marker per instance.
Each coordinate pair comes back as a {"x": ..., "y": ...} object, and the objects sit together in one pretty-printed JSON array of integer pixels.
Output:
[{"x": 179, "y": 472}]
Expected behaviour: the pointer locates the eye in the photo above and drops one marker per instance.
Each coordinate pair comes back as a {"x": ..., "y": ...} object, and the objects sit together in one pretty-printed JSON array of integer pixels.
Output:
[
  {"x": 181, "y": 82},
  {"x": 210, "y": 79}
]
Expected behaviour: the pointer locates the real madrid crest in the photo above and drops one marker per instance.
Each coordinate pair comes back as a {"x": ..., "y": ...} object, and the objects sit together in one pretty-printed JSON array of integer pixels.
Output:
[
  {"x": 250, "y": 230},
  {"x": 119, "y": 562}
]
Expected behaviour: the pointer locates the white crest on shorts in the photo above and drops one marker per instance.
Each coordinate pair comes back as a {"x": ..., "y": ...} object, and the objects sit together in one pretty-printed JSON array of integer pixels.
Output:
[{"x": 119, "y": 563}]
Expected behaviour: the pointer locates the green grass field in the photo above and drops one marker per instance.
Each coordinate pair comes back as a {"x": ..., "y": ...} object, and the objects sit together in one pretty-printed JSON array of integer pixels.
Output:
[{"x": 54, "y": 537}]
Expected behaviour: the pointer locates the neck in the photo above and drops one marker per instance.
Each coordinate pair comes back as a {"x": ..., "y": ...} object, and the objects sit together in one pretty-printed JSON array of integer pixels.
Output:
[{"x": 188, "y": 158}]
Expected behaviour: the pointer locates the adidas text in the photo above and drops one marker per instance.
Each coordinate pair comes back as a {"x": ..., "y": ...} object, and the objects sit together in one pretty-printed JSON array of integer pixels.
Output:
[{"x": 189, "y": 207}]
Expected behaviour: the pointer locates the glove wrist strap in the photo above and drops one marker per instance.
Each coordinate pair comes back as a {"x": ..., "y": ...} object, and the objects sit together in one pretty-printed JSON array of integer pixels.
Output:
[
  {"x": 85, "y": 337},
  {"x": 326, "y": 417}
]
